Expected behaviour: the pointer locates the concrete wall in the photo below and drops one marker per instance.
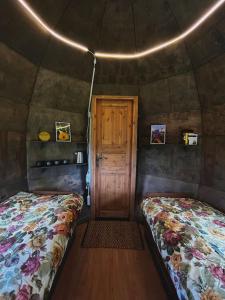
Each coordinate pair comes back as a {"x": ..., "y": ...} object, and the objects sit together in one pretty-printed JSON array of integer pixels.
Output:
[
  {"x": 171, "y": 167},
  {"x": 206, "y": 49},
  {"x": 57, "y": 97},
  {"x": 16, "y": 83},
  {"x": 211, "y": 79}
]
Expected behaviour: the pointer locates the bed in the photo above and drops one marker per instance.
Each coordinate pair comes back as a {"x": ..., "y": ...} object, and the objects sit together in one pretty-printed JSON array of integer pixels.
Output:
[
  {"x": 190, "y": 238},
  {"x": 34, "y": 232}
]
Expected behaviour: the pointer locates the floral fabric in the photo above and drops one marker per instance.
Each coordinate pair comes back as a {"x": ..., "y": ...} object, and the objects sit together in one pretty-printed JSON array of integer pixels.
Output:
[
  {"x": 190, "y": 236},
  {"x": 34, "y": 232}
]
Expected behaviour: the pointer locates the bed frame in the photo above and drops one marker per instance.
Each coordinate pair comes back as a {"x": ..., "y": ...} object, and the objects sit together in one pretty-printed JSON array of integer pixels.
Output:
[
  {"x": 159, "y": 263},
  {"x": 51, "y": 192},
  {"x": 169, "y": 195}
]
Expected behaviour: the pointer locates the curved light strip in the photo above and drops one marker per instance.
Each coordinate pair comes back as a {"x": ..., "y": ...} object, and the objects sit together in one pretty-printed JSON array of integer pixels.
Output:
[
  {"x": 45, "y": 26},
  {"x": 168, "y": 43},
  {"x": 151, "y": 50}
]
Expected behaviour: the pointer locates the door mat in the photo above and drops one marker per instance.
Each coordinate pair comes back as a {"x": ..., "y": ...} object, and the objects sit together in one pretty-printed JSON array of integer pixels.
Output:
[{"x": 113, "y": 234}]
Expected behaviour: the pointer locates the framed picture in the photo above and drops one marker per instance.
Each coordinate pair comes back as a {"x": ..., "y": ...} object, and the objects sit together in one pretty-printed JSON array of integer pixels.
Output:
[
  {"x": 158, "y": 134},
  {"x": 63, "y": 132}
]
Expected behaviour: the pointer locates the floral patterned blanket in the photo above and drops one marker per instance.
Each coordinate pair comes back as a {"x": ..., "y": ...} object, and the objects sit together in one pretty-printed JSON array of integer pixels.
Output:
[
  {"x": 34, "y": 232},
  {"x": 190, "y": 236}
]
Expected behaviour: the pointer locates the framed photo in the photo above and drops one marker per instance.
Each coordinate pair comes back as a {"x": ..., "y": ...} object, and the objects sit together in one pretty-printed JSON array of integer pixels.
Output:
[
  {"x": 63, "y": 132},
  {"x": 158, "y": 134}
]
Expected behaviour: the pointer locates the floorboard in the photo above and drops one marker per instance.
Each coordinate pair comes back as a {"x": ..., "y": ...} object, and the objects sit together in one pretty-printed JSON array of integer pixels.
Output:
[{"x": 107, "y": 274}]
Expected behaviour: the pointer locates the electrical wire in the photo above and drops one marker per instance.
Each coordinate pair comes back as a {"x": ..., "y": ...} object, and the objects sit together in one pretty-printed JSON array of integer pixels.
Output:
[{"x": 88, "y": 175}]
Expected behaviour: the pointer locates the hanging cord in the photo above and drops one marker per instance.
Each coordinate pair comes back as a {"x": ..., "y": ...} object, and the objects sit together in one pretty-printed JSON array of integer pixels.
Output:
[{"x": 88, "y": 176}]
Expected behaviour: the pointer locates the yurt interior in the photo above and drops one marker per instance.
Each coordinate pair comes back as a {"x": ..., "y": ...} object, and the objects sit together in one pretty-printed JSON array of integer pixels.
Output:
[{"x": 112, "y": 150}]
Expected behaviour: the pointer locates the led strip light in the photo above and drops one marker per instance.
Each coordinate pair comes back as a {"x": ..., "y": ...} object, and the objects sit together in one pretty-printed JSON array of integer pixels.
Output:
[
  {"x": 149, "y": 51},
  {"x": 52, "y": 32}
]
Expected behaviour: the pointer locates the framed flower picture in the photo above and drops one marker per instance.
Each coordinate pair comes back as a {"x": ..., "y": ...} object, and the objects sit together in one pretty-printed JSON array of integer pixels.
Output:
[
  {"x": 158, "y": 134},
  {"x": 63, "y": 132}
]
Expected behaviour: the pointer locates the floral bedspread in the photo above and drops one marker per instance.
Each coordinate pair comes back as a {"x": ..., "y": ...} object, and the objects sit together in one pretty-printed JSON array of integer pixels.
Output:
[
  {"x": 34, "y": 232},
  {"x": 190, "y": 236}
]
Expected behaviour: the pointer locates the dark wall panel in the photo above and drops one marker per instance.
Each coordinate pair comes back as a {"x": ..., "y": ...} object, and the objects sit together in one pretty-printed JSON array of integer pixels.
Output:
[
  {"x": 211, "y": 78},
  {"x": 16, "y": 81},
  {"x": 172, "y": 167},
  {"x": 57, "y": 97}
]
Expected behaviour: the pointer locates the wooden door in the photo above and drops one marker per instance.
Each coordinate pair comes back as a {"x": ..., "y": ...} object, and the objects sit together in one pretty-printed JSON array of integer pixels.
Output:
[{"x": 114, "y": 156}]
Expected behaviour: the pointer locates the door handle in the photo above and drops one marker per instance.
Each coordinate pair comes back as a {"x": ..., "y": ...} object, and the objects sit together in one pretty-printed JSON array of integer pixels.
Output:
[{"x": 99, "y": 157}]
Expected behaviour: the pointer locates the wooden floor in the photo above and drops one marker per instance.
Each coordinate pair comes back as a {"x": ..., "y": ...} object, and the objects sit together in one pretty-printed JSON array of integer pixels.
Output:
[{"x": 107, "y": 274}]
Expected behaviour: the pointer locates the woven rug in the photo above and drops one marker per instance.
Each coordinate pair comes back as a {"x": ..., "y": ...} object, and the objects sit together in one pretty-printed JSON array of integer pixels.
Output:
[{"x": 113, "y": 234}]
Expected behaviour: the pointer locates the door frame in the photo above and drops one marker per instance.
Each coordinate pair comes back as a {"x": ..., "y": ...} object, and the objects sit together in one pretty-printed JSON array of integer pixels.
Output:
[{"x": 93, "y": 147}]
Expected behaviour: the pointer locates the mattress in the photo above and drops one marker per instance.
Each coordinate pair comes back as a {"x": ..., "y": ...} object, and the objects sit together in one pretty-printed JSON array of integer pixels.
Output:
[
  {"x": 34, "y": 233},
  {"x": 190, "y": 237}
]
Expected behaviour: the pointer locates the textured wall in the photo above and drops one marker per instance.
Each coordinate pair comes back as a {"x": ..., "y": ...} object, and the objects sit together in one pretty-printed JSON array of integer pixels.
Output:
[
  {"x": 16, "y": 83},
  {"x": 211, "y": 79},
  {"x": 56, "y": 97},
  {"x": 171, "y": 167},
  {"x": 207, "y": 52}
]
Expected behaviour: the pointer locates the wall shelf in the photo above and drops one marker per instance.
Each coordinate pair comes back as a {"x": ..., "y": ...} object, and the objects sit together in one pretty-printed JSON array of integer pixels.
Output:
[
  {"x": 54, "y": 142},
  {"x": 175, "y": 144},
  {"x": 53, "y": 166}
]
